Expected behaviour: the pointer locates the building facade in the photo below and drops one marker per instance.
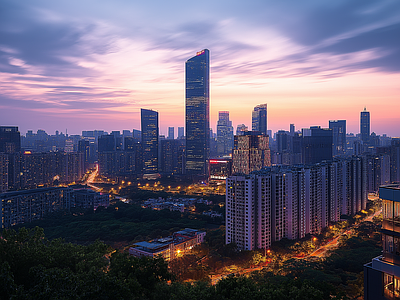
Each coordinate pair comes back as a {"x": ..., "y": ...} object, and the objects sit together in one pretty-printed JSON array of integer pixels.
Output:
[
  {"x": 224, "y": 134},
  {"x": 30, "y": 205},
  {"x": 316, "y": 145},
  {"x": 198, "y": 113},
  {"x": 149, "y": 128},
  {"x": 365, "y": 126},
  {"x": 251, "y": 152},
  {"x": 259, "y": 119},
  {"x": 177, "y": 245},
  {"x": 10, "y": 139},
  {"x": 382, "y": 275},
  {"x": 338, "y": 136},
  {"x": 291, "y": 202}
]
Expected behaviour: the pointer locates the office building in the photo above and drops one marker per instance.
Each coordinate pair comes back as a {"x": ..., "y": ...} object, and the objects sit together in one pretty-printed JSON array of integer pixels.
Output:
[
  {"x": 241, "y": 129},
  {"x": 171, "y": 133},
  {"x": 251, "y": 152},
  {"x": 365, "y": 126},
  {"x": 84, "y": 147},
  {"x": 149, "y": 128},
  {"x": 10, "y": 139},
  {"x": 338, "y": 137},
  {"x": 382, "y": 274},
  {"x": 292, "y": 129},
  {"x": 259, "y": 119},
  {"x": 198, "y": 113},
  {"x": 220, "y": 168},
  {"x": 172, "y": 157},
  {"x": 224, "y": 134},
  {"x": 181, "y": 133},
  {"x": 106, "y": 143},
  {"x": 317, "y": 145}
]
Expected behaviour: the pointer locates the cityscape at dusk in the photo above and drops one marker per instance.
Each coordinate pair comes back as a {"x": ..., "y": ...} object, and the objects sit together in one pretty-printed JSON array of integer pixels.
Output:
[
  {"x": 206, "y": 151},
  {"x": 86, "y": 65}
]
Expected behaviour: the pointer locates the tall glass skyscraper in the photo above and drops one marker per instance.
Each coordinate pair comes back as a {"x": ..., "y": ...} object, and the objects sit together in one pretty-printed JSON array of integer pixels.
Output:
[
  {"x": 198, "y": 113},
  {"x": 259, "y": 119},
  {"x": 149, "y": 123},
  {"x": 339, "y": 136},
  {"x": 224, "y": 134},
  {"x": 365, "y": 125}
]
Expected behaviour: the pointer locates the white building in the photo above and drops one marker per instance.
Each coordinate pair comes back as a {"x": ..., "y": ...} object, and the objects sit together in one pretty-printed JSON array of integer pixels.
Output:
[{"x": 291, "y": 202}]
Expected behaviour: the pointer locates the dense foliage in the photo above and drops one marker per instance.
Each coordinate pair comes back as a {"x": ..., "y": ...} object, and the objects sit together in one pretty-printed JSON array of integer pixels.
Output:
[
  {"x": 119, "y": 222},
  {"x": 32, "y": 267}
]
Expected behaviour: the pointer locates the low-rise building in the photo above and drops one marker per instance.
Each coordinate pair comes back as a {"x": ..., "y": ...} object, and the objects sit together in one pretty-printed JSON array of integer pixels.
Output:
[{"x": 169, "y": 247}]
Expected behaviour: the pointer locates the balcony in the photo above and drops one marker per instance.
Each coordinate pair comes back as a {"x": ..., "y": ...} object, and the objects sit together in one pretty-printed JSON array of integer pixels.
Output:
[
  {"x": 393, "y": 258},
  {"x": 391, "y": 225}
]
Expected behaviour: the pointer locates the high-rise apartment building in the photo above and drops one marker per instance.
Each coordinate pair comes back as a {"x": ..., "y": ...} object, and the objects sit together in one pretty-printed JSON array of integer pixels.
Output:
[
  {"x": 224, "y": 134},
  {"x": 339, "y": 136},
  {"x": 3, "y": 172},
  {"x": 291, "y": 202},
  {"x": 259, "y": 119},
  {"x": 198, "y": 113},
  {"x": 365, "y": 125},
  {"x": 149, "y": 128},
  {"x": 10, "y": 139},
  {"x": 250, "y": 152},
  {"x": 395, "y": 160},
  {"x": 382, "y": 275}
]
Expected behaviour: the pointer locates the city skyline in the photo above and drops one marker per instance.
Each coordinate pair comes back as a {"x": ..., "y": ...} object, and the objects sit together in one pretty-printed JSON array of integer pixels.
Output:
[{"x": 83, "y": 66}]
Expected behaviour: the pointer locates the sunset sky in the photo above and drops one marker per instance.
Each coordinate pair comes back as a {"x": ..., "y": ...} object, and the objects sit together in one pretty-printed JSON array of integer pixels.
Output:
[{"x": 85, "y": 65}]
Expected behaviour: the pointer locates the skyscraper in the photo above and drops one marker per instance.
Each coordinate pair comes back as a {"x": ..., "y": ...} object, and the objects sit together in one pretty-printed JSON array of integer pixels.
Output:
[
  {"x": 224, "y": 134},
  {"x": 10, "y": 140},
  {"x": 181, "y": 133},
  {"x": 365, "y": 125},
  {"x": 317, "y": 145},
  {"x": 241, "y": 129},
  {"x": 259, "y": 119},
  {"x": 198, "y": 113},
  {"x": 171, "y": 133},
  {"x": 251, "y": 152},
  {"x": 339, "y": 136},
  {"x": 149, "y": 128}
]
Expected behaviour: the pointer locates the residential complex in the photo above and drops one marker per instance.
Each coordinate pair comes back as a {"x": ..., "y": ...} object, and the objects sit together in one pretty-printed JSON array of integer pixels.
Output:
[
  {"x": 29, "y": 205},
  {"x": 291, "y": 202}
]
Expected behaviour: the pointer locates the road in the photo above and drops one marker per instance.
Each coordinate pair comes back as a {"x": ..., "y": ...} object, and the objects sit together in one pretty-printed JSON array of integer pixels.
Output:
[
  {"x": 321, "y": 251},
  {"x": 91, "y": 177}
]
